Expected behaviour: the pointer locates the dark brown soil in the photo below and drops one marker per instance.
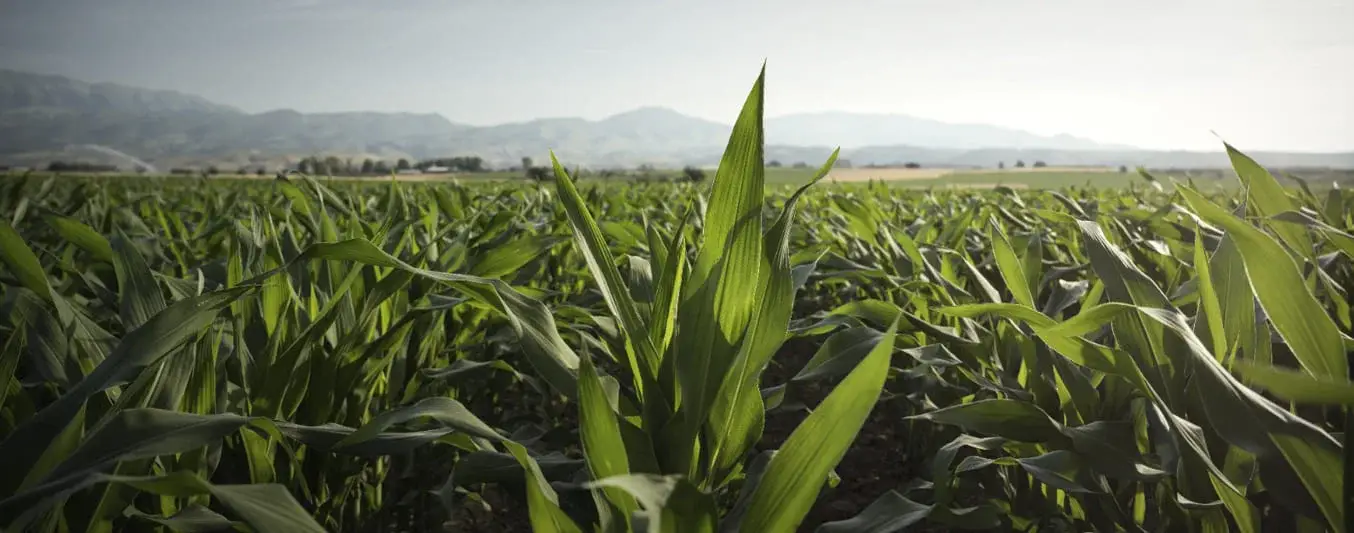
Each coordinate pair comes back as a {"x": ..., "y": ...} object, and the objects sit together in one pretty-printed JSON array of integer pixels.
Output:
[{"x": 506, "y": 515}]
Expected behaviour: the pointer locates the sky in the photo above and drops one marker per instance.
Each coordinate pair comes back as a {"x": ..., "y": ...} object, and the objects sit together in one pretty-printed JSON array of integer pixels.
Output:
[{"x": 1264, "y": 75}]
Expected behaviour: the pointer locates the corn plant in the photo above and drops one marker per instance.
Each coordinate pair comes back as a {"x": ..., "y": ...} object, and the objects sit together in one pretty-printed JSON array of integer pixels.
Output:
[
  {"x": 1094, "y": 394},
  {"x": 664, "y": 450}
]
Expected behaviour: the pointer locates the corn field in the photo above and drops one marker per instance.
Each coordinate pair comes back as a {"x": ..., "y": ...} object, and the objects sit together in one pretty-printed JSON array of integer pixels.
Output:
[{"x": 312, "y": 355}]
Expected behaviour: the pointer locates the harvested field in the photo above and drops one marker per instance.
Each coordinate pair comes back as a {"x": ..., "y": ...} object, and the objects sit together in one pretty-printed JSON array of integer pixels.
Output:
[
  {"x": 1020, "y": 170},
  {"x": 986, "y": 185},
  {"x": 887, "y": 174},
  {"x": 907, "y": 174}
]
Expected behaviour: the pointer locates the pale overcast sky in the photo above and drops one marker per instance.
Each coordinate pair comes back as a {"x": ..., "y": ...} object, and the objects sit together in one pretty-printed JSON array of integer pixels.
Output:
[{"x": 1151, "y": 73}]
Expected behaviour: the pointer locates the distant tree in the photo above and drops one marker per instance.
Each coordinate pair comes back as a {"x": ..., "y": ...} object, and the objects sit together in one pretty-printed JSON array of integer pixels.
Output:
[
  {"x": 801, "y": 164},
  {"x": 381, "y": 168},
  {"x": 526, "y": 164},
  {"x": 303, "y": 166},
  {"x": 774, "y": 164},
  {"x": 842, "y": 163},
  {"x": 348, "y": 167},
  {"x": 322, "y": 169},
  {"x": 260, "y": 171},
  {"x": 1001, "y": 165},
  {"x": 693, "y": 174},
  {"x": 1020, "y": 163},
  {"x": 463, "y": 163},
  {"x": 538, "y": 173},
  {"x": 911, "y": 164},
  {"x": 646, "y": 168},
  {"x": 1040, "y": 164},
  {"x": 1123, "y": 169},
  {"x": 471, "y": 163},
  {"x": 332, "y": 165},
  {"x": 368, "y": 166},
  {"x": 67, "y": 166},
  {"x": 402, "y": 164},
  {"x": 212, "y": 170}
]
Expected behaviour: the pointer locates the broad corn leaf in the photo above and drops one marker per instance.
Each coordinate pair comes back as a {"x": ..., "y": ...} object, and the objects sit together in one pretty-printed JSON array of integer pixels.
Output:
[
  {"x": 796, "y": 473},
  {"x": 1278, "y": 283}
]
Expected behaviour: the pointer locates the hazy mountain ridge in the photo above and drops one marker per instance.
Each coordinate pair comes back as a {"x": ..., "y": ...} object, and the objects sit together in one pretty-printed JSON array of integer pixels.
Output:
[
  {"x": 857, "y": 130},
  {"x": 23, "y": 90},
  {"x": 42, "y": 116}
]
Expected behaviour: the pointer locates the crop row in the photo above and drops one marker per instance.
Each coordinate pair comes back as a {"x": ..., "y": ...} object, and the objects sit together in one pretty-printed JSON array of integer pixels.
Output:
[{"x": 304, "y": 356}]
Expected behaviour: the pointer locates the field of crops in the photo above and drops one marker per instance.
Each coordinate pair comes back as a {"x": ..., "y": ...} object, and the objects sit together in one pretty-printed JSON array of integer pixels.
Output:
[{"x": 286, "y": 355}]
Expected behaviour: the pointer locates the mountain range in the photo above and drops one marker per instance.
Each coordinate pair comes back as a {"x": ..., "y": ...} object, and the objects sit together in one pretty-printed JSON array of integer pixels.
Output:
[{"x": 45, "y": 118}]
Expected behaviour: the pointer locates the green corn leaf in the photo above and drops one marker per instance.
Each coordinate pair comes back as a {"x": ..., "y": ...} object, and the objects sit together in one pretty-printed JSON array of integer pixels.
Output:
[
  {"x": 663, "y": 319},
  {"x": 1063, "y": 470},
  {"x": 736, "y": 417},
  {"x": 446, "y": 411},
  {"x": 839, "y": 354},
  {"x": 1013, "y": 311},
  {"x": 82, "y": 236},
  {"x": 138, "y": 349},
  {"x": 9, "y": 361},
  {"x": 130, "y": 434},
  {"x": 888, "y": 514},
  {"x": 603, "y": 445},
  {"x": 795, "y": 474},
  {"x": 1319, "y": 467},
  {"x": 1249, "y": 421},
  {"x": 535, "y": 326},
  {"x": 1294, "y": 385},
  {"x": 723, "y": 288},
  {"x": 1268, "y": 198},
  {"x": 602, "y": 264},
  {"x": 1236, "y": 300},
  {"x": 1278, "y": 283},
  {"x": 299, "y": 202},
  {"x": 1011, "y": 267},
  {"x": 670, "y": 503},
  {"x": 19, "y": 258},
  {"x": 1209, "y": 305},
  {"x": 139, "y": 295},
  {"x": 542, "y": 502},
  {"x": 1338, "y": 239},
  {"x": 264, "y": 507},
  {"x": 1090, "y": 319},
  {"x": 192, "y": 519},
  {"x": 1011, "y": 419},
  {"x": 513, "y": 255},
  {"x": 737, "y": 191}
]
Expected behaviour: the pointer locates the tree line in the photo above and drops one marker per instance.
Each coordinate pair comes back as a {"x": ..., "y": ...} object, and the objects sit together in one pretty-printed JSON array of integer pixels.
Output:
[{"x": 333, "y": 166}]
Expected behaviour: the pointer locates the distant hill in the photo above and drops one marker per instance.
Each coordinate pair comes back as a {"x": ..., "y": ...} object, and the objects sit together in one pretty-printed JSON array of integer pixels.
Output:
[
  {"x": 855, "y": 130},
  {"x": 44, "y": 118},
  {"x": 58, "y": 94},
  {"x": 626, "y": 138}
]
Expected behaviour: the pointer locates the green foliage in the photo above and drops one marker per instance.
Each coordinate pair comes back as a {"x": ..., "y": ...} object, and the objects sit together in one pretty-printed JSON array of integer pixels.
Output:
[{"x": 298, "y": 356}]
